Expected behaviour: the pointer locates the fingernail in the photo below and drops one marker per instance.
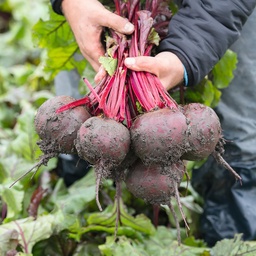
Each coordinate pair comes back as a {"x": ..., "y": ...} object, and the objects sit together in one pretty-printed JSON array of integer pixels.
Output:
[
  {"x": 129, "y": 61},
  {"x": 128, "y": 28}
]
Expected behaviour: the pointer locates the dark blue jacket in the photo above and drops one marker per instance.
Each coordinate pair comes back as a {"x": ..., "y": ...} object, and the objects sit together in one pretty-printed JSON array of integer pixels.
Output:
[
  {"x": 229, "y": 207},
  {"x": 202, "y": 30}
]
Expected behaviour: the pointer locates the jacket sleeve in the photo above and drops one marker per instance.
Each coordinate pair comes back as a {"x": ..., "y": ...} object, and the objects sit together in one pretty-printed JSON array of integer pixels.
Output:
[
  {"x": 56, "y": 6},
  {"x": 202, "y": 30}
]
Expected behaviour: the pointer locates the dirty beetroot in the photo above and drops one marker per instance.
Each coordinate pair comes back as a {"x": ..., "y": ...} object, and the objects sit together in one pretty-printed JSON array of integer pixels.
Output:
[
  {"x": 58, "y": 131},
  {"x": 104, "y": 143},
  {"x": 159, "y": 136},
  {"x": 203, "y": 132},
  {"x": 128, "y": 127},
  {"x": 156, "y": 184}
]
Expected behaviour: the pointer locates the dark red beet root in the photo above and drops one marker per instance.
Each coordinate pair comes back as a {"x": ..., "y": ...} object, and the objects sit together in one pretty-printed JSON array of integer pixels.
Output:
[
  {"x": 59, "y": 130},
  {"x": 204, "y": 131},
  {"x": 205, "y": 135},
  {"x": 103, "y": 140},
  {"x": 154, "y": 184},
  {"x": 157, "y": 184},
  {"x": 104, "y": 143},
  {"x": 159, "y": 136}
]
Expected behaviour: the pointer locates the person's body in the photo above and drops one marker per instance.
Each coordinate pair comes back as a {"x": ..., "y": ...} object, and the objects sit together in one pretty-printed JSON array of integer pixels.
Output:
[
  {"x": 199, "y": 34},
  {"x": 229, "y": 208}
]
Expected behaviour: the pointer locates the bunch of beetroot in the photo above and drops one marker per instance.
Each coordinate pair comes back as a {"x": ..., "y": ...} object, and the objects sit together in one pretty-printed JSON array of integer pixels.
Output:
[{"x": 128, "y": 126}]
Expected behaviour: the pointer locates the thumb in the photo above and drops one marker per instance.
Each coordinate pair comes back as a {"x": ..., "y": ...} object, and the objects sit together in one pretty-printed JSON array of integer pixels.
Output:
[
  {"x": 117, "y": 23},
  {"x": 142, "y": 63}
]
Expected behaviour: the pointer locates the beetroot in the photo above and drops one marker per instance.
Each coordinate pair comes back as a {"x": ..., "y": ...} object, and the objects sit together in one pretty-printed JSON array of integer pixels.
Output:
[
  {"x": 204, "y": 131},
  {"x": 59, "y": 130},
  {"x": 156, "y": 184},
  {"x": 159, "y": 136},
  {"x": 124, "y": 93},
  {"x": 104, "y": 143},
  {"x": 205, "y": 135}
]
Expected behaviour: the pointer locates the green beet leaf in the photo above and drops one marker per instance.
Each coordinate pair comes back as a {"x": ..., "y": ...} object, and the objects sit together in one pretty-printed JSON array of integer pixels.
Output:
[
  {"x": 55, "y": 36},
  {"x": 223, "y": 70},
  {"x": 29, "y": 231},
  {"x": 234, "y": 247},
  {"x": 105, "y": 221}
]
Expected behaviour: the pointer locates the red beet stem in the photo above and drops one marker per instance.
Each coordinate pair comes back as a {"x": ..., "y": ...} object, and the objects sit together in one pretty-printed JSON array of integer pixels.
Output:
[
  {"x": 76, "y": 103},
  {"x": 117, "y": 95},
  {"x": 92, "y": 89}
]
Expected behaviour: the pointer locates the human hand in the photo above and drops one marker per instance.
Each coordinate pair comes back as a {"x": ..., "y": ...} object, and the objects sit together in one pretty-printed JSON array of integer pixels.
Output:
[
  {"x": 87, "y": 19},
  {"x": 165, "y": 65}
]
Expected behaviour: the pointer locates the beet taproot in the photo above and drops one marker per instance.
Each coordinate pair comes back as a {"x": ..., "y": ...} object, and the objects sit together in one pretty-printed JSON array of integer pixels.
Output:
[
  {"x": 205, "y": 136},
  {"x": 156, "y": 185},
  {"x": 58, "y": 131},
  {"x": 204, "y": 131},
  {"x": 159, "y": 136},
  {"x": 104, "y": 143},
  {"x": 103, "y": 140}
]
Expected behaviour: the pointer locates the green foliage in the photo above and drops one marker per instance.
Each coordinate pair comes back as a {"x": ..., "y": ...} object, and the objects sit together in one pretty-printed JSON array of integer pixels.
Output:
[
  {"x": 208, "y": 91},
  {"x": 223, "y": 70},
  {"x": 55, "y": 36},
  {"x": 153, "y": 37},
  {"x": 234, "y": 247},
  {"x": 27, "y": 231},
  {"x": 128, "y": 225},
  {"x": 75, "y": 199},
  {"x": 161, "y": 243}
]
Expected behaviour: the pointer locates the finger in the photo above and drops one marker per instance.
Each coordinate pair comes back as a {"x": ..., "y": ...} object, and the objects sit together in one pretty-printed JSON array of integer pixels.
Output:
[
  {"x": 100, "y": 75},
  {"x": 95, "y": 64},
  {"x": 166, "y": 66},
  {"x": 116, "y": 22},
  {"x": 142, "y": 63},
  {"x": 91, "y": 48},
  {"x": 93, "y": 59}
]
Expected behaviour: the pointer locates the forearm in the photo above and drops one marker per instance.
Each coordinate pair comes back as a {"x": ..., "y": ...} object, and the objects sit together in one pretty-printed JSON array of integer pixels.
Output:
[{"x": 201, "y": 32}]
